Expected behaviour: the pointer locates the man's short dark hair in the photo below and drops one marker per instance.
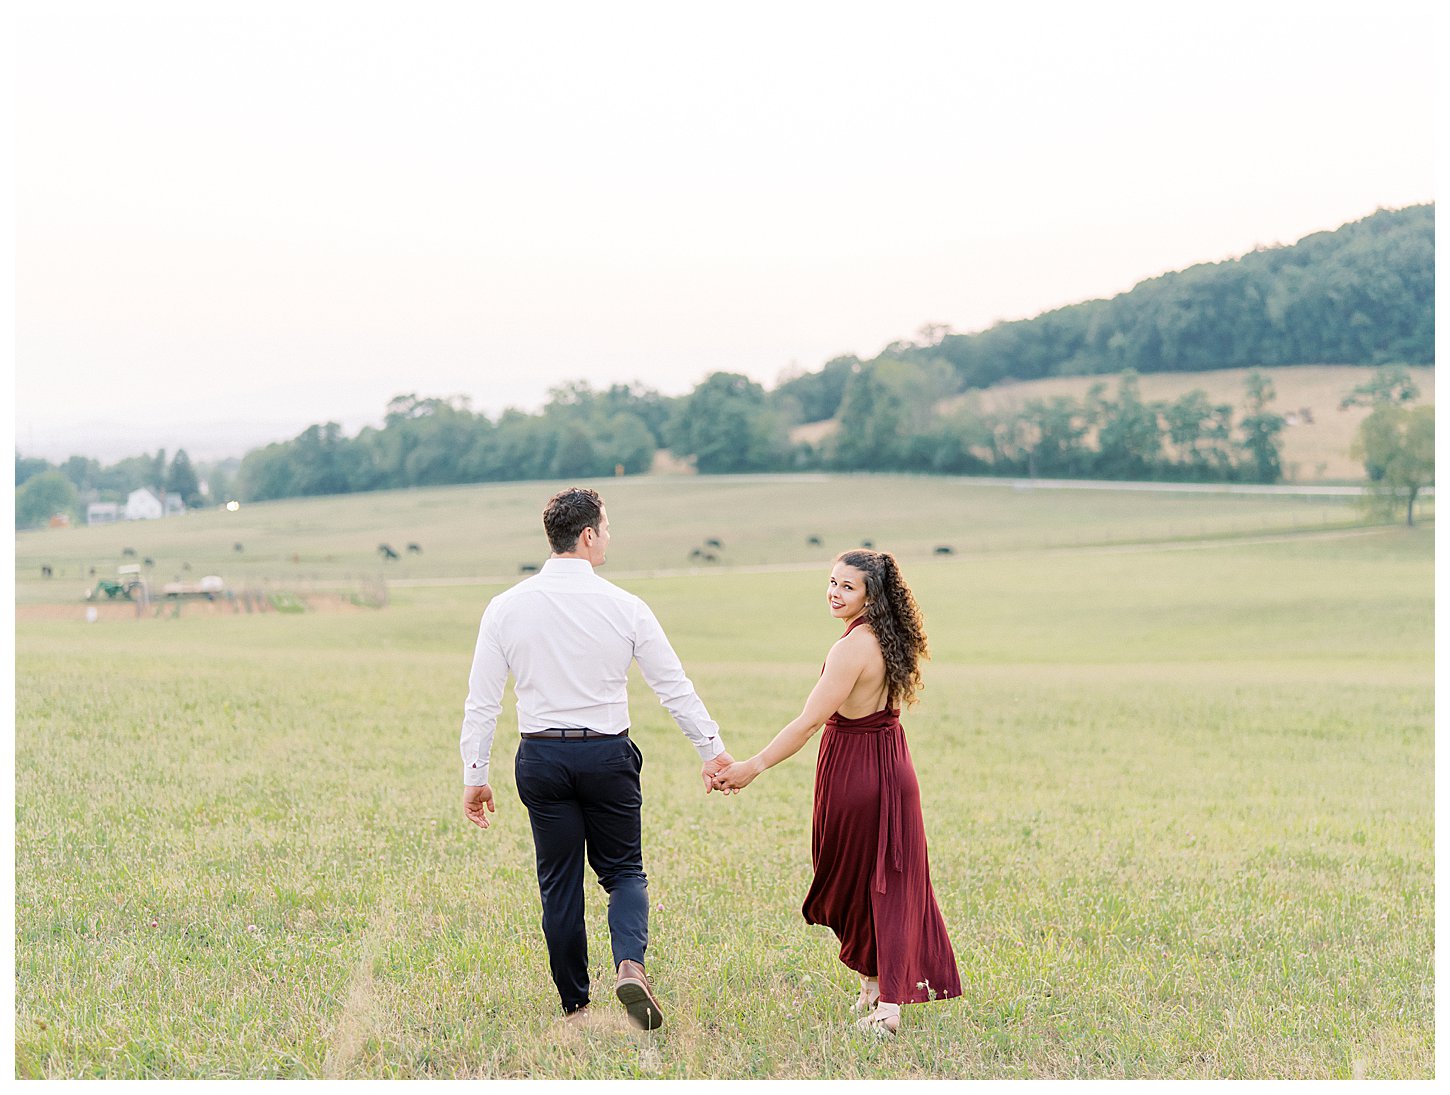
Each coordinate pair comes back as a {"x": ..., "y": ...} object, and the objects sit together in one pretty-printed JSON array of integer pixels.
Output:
[{"x": 568, "y": 514}]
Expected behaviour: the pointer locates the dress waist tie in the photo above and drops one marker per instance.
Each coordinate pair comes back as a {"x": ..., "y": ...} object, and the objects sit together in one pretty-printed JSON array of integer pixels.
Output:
[{"x": 888, "y": 831}]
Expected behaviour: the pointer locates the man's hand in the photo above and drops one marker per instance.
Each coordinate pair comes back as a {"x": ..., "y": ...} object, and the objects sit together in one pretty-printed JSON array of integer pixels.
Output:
[
  {"x": 474, "y": 800},
  {"x": 713, "y": 767},
  {"x": 730, "y": 781}
]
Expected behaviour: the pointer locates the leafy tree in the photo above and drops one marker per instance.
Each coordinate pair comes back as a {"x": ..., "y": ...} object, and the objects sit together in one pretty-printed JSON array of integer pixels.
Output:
[
  {"x": 727, "y": 426},
  {"x": 1261, "y": 428},
  {"x": 815, "y": 397},
  {"x": 886, "y": 404},
  {"x": 42, "y": 496},
  {"x": 1388, "y": 384},
  {"x": 1129, "y": 440},
  {"x": 27, "y": 467},
  {"x": 627, "y": 441},
  {"x": 1057, "y": 427},
  {"x": 1200, "y": 432},
  {"x": 181, "y": 479},
  {"x": 574, "y": 456},
  {"x": 1397, "y": 445}
]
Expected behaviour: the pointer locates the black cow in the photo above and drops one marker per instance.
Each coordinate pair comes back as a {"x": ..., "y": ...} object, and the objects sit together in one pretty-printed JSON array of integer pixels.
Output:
[{"x": 387, "y": 552}]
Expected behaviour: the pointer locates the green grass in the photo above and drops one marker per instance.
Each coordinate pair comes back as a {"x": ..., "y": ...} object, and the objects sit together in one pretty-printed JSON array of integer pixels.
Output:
[
  {"x": 489, "y": 531},
  {"x": 1179, "y": 803}
]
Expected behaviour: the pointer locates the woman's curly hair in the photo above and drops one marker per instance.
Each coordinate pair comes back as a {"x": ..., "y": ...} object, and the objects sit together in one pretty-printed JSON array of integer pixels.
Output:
[{"x": 892, "y": 612}]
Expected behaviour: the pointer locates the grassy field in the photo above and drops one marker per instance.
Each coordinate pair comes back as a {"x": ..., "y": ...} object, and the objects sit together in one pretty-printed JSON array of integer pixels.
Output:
[
  {"x": 1179, "y": 800},
  {"x": 488, "y": 532}
]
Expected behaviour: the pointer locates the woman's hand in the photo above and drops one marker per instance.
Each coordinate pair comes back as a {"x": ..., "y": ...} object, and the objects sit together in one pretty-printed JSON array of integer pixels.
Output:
[{"x": 738, "y": 775}]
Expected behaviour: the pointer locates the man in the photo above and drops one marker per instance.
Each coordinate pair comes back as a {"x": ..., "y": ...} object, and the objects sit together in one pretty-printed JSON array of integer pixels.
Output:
[{"x": 568, "y": 637}]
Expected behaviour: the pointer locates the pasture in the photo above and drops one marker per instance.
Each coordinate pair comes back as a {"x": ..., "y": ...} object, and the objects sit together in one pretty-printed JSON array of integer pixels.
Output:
[{"x": 1176, "y": 755}]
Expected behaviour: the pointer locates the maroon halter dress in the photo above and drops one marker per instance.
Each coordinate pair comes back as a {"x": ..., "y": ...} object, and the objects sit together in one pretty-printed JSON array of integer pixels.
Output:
[{"x": 872, "y": 885}]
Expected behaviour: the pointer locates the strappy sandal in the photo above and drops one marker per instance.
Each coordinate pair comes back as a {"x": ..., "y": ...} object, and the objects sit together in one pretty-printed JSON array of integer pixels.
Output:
[
  {"x": 882, "y": 1020},
  {"x": 870, "y": 995}
]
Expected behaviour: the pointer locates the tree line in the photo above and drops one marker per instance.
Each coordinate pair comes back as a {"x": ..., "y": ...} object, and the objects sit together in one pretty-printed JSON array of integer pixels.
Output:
[{"x": 1361, "y": 294}]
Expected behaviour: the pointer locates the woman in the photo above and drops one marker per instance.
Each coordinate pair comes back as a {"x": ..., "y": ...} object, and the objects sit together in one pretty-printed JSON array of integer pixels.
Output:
[{"x": 872, "y": 885}]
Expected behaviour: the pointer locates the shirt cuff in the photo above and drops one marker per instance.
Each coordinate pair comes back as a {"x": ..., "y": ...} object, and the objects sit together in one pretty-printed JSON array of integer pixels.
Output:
[
  {"x": 475, "y": 775},
  {"x": 711, "y": 749}
]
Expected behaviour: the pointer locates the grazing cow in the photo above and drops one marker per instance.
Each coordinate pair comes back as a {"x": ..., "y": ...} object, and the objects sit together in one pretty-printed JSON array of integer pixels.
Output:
[
  {"x": 129, "y": 553},
  {"x": 944, "y": 549},
  {"x": 414, "y": 549},
  {"x": 710, "y": 557},
  {"x": 868, "y": 544},
  {"x": 528, "y": 568},
  {"x": 387, "y": 552},
  {"x": 813, "y": 541},
  {"x": 696, "y": 553},
  {"x": 238, "y": 547},
  {"x": 148, "y": 561},
  {"x": 714, "y": 543},
  {"x": 46, "y": 572}
]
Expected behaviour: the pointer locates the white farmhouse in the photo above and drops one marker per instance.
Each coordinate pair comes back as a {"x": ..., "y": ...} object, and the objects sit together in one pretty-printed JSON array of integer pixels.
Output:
[{"x": 143, "y": 505}]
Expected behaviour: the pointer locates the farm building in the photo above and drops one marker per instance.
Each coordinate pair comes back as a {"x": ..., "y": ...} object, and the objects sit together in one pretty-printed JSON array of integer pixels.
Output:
[
  {"x": 103, "y": 513},
  {"x": 143, "y": 505}
]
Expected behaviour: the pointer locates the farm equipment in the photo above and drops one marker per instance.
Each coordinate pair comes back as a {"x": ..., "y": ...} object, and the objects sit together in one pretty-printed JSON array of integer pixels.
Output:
[
  {"x": 208, "y": 588},
  {"x": 123, "y": 586}
]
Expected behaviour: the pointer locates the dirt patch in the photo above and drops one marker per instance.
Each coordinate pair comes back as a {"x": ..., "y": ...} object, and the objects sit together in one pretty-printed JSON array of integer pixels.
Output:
[{"x": 112, "y": 611}]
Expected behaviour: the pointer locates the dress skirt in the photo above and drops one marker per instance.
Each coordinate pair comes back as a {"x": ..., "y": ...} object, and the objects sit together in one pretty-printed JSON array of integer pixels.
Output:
[{"x": 872, "y": 884}]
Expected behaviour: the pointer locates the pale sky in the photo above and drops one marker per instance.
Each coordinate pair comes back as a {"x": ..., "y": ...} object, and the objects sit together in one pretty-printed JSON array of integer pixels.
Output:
[{"x": 235, "y": 220}]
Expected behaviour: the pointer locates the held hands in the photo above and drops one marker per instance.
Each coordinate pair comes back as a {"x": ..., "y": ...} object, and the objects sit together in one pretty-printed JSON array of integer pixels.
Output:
[
  {"x": 474, "y": 801},
  {"x": 712, "y": 767},
  {"x": 738, "y": 775}
]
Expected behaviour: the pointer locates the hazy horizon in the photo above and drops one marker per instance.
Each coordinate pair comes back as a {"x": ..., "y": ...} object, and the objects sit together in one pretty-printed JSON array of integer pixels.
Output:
[{"x": 235, "y": 222}]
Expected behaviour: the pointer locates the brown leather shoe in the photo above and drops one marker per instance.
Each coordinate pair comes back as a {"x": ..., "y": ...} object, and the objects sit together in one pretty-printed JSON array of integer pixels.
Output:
[{"x": 639, "y": 1001}]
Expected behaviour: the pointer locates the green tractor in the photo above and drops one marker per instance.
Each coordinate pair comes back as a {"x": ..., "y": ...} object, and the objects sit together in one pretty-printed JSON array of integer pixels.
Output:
[{"x": 127, "y": 581}]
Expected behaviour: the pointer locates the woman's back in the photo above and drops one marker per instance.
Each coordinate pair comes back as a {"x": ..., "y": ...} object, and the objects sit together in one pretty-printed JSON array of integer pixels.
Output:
[{"x": 869, "y": 694}]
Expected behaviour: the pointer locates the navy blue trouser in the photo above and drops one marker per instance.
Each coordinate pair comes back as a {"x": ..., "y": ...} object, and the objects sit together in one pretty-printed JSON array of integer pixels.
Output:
[{"x": 584, "y": 799}]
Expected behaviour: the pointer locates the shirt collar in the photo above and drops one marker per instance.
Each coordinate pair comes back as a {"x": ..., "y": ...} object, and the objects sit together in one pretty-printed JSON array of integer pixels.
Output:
[{"x": 567, "y": 566}]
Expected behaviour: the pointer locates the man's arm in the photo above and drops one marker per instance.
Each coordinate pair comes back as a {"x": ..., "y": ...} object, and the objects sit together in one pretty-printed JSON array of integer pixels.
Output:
[
  {"x": 663, "y": 672},
  {"x": 486, "y": 682}
]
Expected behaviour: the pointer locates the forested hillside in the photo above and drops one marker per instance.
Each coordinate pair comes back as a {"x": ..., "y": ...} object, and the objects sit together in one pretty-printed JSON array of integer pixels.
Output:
[{"x": 1361, "y": 295}]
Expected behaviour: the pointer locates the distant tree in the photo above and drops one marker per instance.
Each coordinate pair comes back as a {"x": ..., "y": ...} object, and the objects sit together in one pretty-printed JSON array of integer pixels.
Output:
[
  {"x": 83, "y": 471},
  {"x": 42, "y": 496},
  {"x": 574, "y": 456},
  {"x": 888, "y": 403},
  {"x": 1058, "y": 428},
  {"x": 1261, "y": 428},
  {"x": 1200, "y": 431},
  {"x": 1388, "y": 384},
  {"x": 815, "y": 397},
  {"x": 181, "y": 479},
  {"x": 626, "y": 441},
  {"x": 27, "y": 467},
  {"x": 1397, "y": 445},
  {"x": 727, "y": 426},
  {"x": 1129, "y": 440}
]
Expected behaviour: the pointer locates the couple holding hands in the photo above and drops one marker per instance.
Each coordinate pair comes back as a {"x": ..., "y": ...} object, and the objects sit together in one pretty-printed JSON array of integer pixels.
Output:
[{"x": 568, "y": 636}]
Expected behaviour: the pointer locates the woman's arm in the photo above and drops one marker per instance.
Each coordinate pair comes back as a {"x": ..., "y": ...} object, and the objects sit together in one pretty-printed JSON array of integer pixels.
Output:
[{"x": 844, "y": 665}]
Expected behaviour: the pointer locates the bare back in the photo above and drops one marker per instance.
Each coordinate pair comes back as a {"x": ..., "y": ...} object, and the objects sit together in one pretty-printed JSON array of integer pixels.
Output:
[{"x": 868, "y": 694}]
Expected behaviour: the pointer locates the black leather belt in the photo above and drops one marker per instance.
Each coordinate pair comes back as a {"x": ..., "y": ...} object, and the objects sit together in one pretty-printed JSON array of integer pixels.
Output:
[{"x": 572, "y": 733}]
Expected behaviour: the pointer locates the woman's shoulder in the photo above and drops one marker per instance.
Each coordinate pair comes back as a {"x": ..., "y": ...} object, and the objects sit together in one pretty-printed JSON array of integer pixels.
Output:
[{"x": 859, "y": 641}]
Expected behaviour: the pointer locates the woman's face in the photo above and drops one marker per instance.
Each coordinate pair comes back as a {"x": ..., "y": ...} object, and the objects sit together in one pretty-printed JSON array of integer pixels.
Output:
[{"x": 846, "y": 592}]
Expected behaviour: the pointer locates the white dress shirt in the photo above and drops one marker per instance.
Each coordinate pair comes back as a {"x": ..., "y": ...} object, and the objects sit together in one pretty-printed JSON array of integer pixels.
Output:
[{"x": 568, "y": 636}]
